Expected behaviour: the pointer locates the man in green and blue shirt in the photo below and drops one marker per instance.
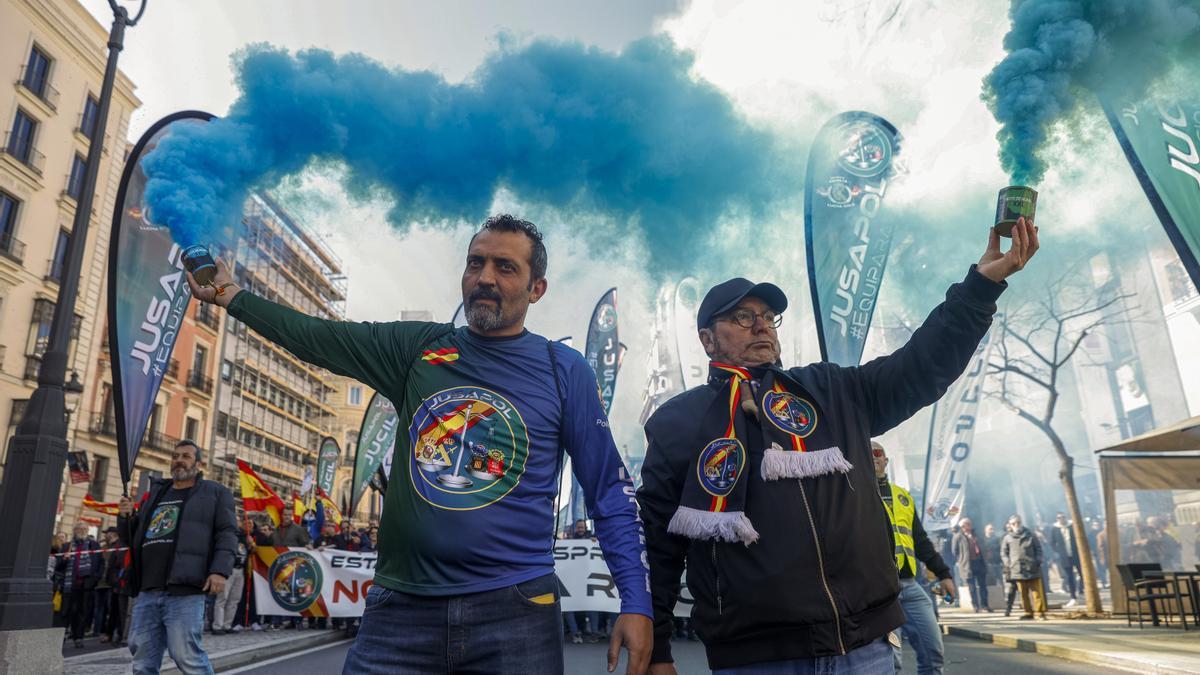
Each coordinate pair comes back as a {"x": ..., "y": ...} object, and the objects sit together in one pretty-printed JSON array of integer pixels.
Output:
[{"x": 465, "y": 575}]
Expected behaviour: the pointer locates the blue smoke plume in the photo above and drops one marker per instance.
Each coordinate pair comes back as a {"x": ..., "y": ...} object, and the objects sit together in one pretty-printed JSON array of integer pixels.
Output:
[
  {"x": 631, "y": 135},
  {"x": 1060, "y": 51}
]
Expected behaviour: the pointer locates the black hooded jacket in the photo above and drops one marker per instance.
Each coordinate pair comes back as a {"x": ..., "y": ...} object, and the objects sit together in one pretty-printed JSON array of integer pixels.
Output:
[{"x": 821, "y": 580}]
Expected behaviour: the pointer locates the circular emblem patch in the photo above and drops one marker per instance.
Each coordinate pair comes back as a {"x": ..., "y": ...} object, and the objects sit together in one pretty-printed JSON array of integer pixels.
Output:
[
  {"x": 163, "y": 521},
  {"x": 469, "y": 448},
  {"x": 867, "y": 150},
  {"x": 720, "y": 464},
  {"x": 606, "y": 319},
  {"x": 903, "y": 499},
  {"x": 790, "y": 413},
  {"x": 295, "y": 579}
]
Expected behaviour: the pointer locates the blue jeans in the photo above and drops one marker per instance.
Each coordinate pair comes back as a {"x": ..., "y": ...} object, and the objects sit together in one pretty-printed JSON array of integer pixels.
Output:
[
  {"x": 920, "y": 629},
  {"x": 171, "y": 622},
  {"x": 871, "y": 659},
  {"x": 516, "y": 629}
]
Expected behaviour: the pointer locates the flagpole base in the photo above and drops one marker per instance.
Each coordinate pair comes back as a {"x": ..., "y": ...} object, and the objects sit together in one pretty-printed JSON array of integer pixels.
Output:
[{"x": 31, "y": 652}]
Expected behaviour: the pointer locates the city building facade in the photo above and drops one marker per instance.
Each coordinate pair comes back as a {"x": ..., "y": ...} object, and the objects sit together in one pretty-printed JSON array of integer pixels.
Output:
[
  {"x": 54, "y": 55},
  {"x": 272, "y": 408}
]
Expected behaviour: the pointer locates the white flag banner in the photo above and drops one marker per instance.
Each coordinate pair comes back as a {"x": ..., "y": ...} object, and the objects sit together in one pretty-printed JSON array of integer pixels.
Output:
[
  {"x": 585, "y": 583},
  {"x": 304, "y": 582},
  {"x": 950, "y": 437}
]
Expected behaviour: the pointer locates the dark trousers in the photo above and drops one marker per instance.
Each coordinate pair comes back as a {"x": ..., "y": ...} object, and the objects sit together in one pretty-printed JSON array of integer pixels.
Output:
[
  {"x": 118, "y": 606},
  {"x": 1011, "y": 596},
  {"x": 1067, "y": 567},
  {"x": 516, "y": 629},
  {"x": 102, "y": 603},
  {"x": 76, "y": 606},
  {"x": 977, "y": 584}
]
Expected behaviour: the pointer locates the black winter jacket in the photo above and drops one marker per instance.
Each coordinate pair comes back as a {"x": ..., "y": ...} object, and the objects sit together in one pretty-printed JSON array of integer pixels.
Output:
[
  {"x": 821, "y": 580},
  {"x": 206, "y": 540}
]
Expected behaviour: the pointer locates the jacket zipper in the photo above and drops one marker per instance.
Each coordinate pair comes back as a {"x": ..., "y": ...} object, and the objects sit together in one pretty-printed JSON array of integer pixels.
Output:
[
  {"x": 820, "y": 565},
  {"x": 717, "y": 575}
]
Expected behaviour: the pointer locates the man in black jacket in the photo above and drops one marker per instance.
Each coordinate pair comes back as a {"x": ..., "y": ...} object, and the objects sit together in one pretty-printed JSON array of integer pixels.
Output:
[
  {"x": 183, "y": 541},
  {"x": 762, "y": 480}
]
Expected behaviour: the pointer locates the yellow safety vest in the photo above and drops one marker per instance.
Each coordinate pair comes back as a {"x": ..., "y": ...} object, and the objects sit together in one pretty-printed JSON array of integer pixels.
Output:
[{"x": 902, "y": 513}]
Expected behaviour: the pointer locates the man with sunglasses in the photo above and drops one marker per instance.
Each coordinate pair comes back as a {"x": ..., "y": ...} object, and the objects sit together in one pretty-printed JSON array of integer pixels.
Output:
[{"x": 761, "y": 481}]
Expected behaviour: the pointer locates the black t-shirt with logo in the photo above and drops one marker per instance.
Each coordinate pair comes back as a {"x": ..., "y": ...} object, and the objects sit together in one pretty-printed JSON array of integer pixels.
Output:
[{"x": 158, "y": 548}]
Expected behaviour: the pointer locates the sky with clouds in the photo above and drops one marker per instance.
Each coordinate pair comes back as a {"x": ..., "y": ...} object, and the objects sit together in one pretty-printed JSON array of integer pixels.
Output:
[{"x": 786, "y": 66}]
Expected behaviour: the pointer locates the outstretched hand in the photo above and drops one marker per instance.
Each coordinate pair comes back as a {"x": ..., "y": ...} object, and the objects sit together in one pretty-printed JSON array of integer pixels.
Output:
[
  {"x": 997, "y": 265},
  {"x": 222, "y": 290}
]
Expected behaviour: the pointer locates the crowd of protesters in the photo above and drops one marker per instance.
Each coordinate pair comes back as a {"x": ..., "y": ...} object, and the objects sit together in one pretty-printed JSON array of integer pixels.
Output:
[{"x": 93, "y": 600}]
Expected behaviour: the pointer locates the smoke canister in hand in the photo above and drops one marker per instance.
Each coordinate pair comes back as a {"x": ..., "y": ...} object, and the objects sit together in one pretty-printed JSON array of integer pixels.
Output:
[
  {"x": 200, "y": 263},
  {"x": 1014, "y": 201}
]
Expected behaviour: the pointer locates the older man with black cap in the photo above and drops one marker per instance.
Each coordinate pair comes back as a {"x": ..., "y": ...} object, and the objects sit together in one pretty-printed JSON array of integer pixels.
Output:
[{"x": 762, "y": 481}]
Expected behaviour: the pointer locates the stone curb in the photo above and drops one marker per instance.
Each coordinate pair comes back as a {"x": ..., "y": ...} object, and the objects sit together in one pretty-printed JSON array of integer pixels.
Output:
[
  {"x": 1069, "y": 653},
  {"x": 236, "y": 658}
]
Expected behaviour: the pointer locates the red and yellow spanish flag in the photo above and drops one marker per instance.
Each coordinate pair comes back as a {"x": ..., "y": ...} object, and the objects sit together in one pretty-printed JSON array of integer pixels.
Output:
[
  {"x": 440, "y": 356},
  {"x": 107, "y": 508},
  {"x": 256, "y": 495},
  {"x": 299, "y": 508},
  {"x": 332, "y": 515}
]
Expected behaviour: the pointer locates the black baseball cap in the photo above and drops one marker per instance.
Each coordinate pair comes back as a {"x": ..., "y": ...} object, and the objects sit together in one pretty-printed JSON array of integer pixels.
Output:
[
  {"x": 726, "y": 295},
  {"x": 113, "y": 529}
]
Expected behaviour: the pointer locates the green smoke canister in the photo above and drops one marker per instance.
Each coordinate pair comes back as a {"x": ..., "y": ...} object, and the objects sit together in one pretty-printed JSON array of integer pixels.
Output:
[
  {"x": 200, "y": 263},
  {"x": 1014, "y": 201}
]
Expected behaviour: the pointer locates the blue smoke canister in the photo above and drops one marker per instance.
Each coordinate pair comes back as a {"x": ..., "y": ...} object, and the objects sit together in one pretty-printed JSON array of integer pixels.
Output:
[
  {"x": 1013, "y": 202},
  {"x": 200, "y": 263}
]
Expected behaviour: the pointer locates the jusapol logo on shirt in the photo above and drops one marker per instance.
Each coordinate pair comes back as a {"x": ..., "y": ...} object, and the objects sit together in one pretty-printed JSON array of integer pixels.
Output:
[
  {"x": 163, "y": 522},
  {"x": 468, "y": 446}
]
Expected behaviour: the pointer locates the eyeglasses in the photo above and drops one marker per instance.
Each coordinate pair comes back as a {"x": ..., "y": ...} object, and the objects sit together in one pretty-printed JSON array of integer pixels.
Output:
[{"x": 746, "y": 318}]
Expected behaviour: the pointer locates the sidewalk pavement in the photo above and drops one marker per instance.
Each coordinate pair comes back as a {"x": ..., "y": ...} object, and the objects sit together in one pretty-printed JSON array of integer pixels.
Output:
[
  {"x": 224, "y": 651},
  {"x": 1105, "y": 642}
]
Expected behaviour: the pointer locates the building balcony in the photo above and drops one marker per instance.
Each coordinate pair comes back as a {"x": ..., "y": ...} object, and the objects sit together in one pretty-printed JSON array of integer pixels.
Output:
[
  {"x": 103, "y": 425},
  {"x": 106, "y": 425},
  {"x": 173, "y": 369},
  {"x": 200, "y": 383},
  {"x": 205, "y": 316},
  {"x": 33, "y": 364},
  {"x": 23, "y": 153},
  {"x": 12, "y": 248},
  {"x": 40, "y": 89},
  {"x": 86, "y": 134},
  {"x": 54, "y": 270}
]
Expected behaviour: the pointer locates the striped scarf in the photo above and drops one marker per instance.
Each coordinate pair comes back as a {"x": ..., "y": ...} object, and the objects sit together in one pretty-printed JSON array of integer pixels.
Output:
[{"x": 714, "y": 495}]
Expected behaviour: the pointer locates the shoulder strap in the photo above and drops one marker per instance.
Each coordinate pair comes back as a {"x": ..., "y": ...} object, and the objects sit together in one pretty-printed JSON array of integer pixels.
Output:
[{"x": 562, "y": 404}]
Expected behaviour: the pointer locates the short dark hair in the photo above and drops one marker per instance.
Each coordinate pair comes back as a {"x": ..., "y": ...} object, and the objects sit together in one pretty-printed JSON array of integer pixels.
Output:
[
  {"x": 195, "y": 448},
  {"x": 538, "y": 260}
]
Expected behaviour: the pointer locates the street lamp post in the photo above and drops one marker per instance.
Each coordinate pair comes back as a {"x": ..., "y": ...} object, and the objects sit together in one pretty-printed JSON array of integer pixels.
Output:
[{"x": 37, "y": 452}]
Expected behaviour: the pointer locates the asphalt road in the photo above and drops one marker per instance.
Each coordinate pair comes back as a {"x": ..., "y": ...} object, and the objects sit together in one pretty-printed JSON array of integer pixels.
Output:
[{"x": 962, "y": 656}]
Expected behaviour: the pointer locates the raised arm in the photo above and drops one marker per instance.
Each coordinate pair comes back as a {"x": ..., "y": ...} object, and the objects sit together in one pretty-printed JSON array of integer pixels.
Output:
[
  {"x": 377, "y": 354},
  {"x": 892, "y": 388}
]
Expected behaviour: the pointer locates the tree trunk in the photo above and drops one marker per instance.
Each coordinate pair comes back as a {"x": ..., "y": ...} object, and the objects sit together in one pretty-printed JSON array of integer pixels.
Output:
[{"x": 1091, "y": 589}]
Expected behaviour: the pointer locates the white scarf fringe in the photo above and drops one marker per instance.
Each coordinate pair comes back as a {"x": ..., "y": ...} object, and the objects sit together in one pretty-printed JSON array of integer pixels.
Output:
[
  {"x": 732, "y": 526},
  {"x": 779, "y": 463}
]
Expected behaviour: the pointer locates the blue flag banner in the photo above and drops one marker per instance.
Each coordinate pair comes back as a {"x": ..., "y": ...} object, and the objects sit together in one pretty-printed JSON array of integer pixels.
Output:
[
  {"x": 603, "y": 348},
  {"x": 147, "y": 296},
  {"x": 850, "y": 168}
]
